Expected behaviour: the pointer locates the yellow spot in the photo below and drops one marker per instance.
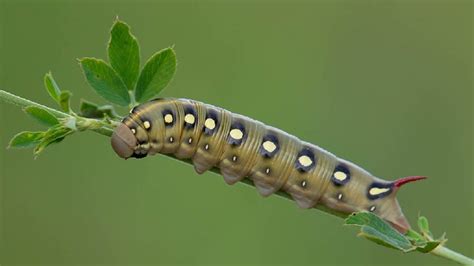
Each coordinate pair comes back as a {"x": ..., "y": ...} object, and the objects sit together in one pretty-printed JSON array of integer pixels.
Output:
[
  {"x": 341, "y": 176},
  {"x": 189, "y": 118},
  {"x": 210, "y": 123},
  {"x": 168, "y": 118},
  {"x": 236, "y": 134},
  {"x": 375, "y": 191},
  {"x": 269, "y": 146},
  {"x": 305, "y": 161},
  {"x": 146, "y": 125}
]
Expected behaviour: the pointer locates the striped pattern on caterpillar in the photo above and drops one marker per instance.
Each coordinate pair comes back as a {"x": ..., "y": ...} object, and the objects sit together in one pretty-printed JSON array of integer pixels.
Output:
[{"x": 242, "y": 147}]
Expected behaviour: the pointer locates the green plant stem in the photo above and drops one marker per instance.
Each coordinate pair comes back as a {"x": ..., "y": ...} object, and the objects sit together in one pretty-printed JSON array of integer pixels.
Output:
[
  {"x": 444, "y": 252},
  {"x": 107, "y": 130},
  {"x": 7, "y": 97}
]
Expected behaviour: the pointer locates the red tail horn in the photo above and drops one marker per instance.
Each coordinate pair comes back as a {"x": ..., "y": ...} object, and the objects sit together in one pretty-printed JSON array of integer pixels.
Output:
[{"x": 402, "y": 181}]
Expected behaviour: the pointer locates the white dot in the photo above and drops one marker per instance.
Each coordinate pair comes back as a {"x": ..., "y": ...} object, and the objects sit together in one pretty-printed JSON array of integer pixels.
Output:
[
  {"x": 304, "y": 183},
  {"x": 269, "y": 146},
  {"x": 190, "y": 140},
  {"x": 168, "y": 118},
  {"x": 206, "y": 147},
  {"x": 190, "y": 119},
  {"x": 341, "y": 176},
  {"x": 146, "y": 124},
  {"x": 210, "y": 123},
  {"x": 133, "y": 130},
  {"x": 267, "y": 171},
  {"x": 234, "y": 158},
  {"x": 339, "y": 196},
  {"x": 236, "y": 134},
  {"x": 372, "y": 208},
  {"x": 305, "y": 161},
  {"x": 171, "y": 139}
]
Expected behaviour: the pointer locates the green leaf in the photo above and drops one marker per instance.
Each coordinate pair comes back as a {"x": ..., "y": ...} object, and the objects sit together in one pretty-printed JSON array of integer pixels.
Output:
[
  {"x": 430, "y": 245},
  {"x": 64, "y": 101},
  {"x": 42, "y": 115},
  {"x": 415, "y": 237},
  {"x": 91, "y": 110},
  {"x": 105, "y": 81},
  {"x": 25, "y": 139},
  {"x": 156, "y": 74},
  {"x": 52, "y": 87},
  {"x": 124, "y": 53},
  {"x": 378, "y": 231},
  {"x": 424, "y": 226},
  {"x": 54, "y": 135}
]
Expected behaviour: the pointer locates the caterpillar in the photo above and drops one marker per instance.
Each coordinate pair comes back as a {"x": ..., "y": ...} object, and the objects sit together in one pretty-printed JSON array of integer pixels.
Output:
[{"x": 272, "y": 159}]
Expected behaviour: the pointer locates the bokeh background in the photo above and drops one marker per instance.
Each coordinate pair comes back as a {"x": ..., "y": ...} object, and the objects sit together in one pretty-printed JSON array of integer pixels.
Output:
[{"x": 386, "y": 84}]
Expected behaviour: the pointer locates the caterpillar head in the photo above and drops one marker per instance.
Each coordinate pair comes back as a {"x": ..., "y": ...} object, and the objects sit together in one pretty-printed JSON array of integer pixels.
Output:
[{"x": 123, "y": 141}]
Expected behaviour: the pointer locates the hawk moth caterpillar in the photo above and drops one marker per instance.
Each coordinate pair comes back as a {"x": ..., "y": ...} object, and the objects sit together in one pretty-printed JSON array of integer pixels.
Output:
[{"x": 242, "y": 147}]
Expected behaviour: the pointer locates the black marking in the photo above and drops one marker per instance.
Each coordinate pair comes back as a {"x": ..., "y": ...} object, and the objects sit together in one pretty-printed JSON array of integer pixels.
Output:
[
  {"x": 157, "y": 99},
  {"x": 213, "y": 115},
  {"x": 382, "y": 186},
  {"x": 142, "y": 142},
  {"x": 190, "y": 110},
  {"x": 133, "y": 110},
  {"x": 127, "y": 118},
  {"x": 345, "y": 170},
  {"x": 169, "y": 112},
  {"x": 139, "y": 155},
  {"x": 263, "y": 151},
  {"x": 305, "y": 152},
  {"x": 237, "y": 142}
]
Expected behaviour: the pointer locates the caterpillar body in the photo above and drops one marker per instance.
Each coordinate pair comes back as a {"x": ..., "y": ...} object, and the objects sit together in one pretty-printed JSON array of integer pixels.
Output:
[{"x": 242, "y": 147}]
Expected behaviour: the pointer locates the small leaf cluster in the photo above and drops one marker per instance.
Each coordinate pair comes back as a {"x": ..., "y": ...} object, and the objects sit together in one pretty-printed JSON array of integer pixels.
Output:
[
  {"x": 58, "y": 127},
  {"x": 120, "y": 82},
  {"x": 377, "y": 230}
]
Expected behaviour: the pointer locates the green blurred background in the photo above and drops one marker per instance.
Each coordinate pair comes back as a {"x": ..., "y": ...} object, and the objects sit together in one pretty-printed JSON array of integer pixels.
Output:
[{"x": 387, "y": 85}]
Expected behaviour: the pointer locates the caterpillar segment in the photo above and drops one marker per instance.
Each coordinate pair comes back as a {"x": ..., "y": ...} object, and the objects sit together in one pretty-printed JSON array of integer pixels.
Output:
[{"x": 242, "y": 147}]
